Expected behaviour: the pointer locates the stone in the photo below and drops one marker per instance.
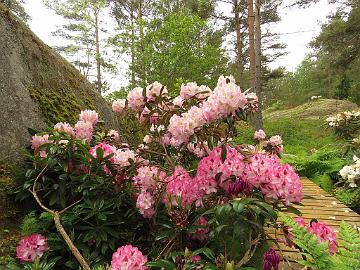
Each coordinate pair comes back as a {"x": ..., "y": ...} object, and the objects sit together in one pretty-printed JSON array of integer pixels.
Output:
[{"x": 38, "y": 88}]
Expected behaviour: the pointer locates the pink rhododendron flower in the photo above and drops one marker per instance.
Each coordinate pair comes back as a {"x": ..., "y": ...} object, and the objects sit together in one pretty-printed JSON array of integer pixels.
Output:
[
  {"x": 148, "y": 178},
  {"x": 147, "y": 139},
  {"x": 64, "y": 127},
  {"x": 89, "y": 116},
  {"x": 37, "y": 141},
  {"x": 135, "y": 99},
  {"x": 128, "y": 258},
  {"x": 118, "y": 105},
  {"x": 31, "y": 247},
  {"x": 259, "y": 135},
  {"x": 223, "y": 101},
  {"x": 275, "y": 140},
  {"x": 178, "y": 101},
  {"x": 154, "y": 90},
  {"x": 188, "y": 90},
  {"x": 84, "y": 130},
  {"x": 122, "y": 156},
  {"x": 275, "y": 180},
  {"x": 324, "y": 233},
  {"x": 321, "y": 230},
  {"x": 108, "y": 150},
  {"x": 190, "y": 190},
  {"x": 145, "y": 203},
  {"x": 114, "y": 135}
]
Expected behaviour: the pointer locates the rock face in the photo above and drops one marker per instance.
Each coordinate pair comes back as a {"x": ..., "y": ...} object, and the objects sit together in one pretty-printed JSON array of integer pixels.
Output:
[{"x": 37, "y": 88}]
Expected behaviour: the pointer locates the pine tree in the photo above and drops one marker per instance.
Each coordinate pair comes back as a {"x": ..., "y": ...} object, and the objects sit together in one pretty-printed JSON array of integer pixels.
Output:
[
  {"x": 83, "y": 30},
  {"x": 16, "y": 6}
]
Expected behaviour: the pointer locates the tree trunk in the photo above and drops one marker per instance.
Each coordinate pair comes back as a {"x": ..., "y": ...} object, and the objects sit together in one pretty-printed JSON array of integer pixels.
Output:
[
  {"x": 132, "y": 44},
  {"x": 98, "y": 58},
  {"x": 250, "y": 4},
  {"x": 239, "y": 44},
  {"x": 141, "y": 53},
  {"x": 258, "y": 115}
]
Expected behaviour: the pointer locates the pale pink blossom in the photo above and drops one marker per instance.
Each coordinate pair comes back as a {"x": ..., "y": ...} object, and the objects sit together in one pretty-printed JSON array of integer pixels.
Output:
[
  {"x": 145, "y": 203},
  {"x": 84, "y": 130},
  {"x": 128, "y": 258},
  {"x": 31, "y": 247},
  {"x": 89, "y": 116},
  {"x": 178, "y": 101},
  {"x": 64, "y": 127},
  {"x": 154, "y": 90},
  {"x": 147, "y": 139},
  {"x": 118, "y": 105},
  {"x": 122, "y": 157},
  {"x": 135, "y": 99},
  {"x": 114, "y": 135},
  {"x": 259, "y": 135},
  {"x": 188, "y": 90},
  {"x": 148, "y": 178},
  {"x": 37, "y": 141},
  {"x": 321, "y": 230},
  {"x": 275, "y": 140}
]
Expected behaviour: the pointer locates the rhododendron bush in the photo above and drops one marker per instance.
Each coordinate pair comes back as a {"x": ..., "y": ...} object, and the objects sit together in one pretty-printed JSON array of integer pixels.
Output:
[{"x": 185, "y": 188}]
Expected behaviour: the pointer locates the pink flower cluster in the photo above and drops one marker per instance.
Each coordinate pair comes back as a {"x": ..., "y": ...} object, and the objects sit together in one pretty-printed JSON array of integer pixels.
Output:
[
  {"x": 191, "y": 89},
  {"x": 322, "y": 231},
  {"x": 275, "y": 180},
  {"x": 190, "y": 190},
  {"x": 37, "y": 141},
  {"x": 114, "y": 135},
  {"x": 65, "y": 127},
  {"x": 118, "y": 106},
  {"x": 128, "y": 258},
  {"x": 154, "y": 90},
  {"x": 31, "y": 247},
  {"x": 259, "y": 135},
  {"x": 135, "y": 99},
  {"x": 148, "y": 181},
  {"x": 89, "y": 116},
  {"x": 209, "y": 167},
  {"x": 85, "y": 126},
  {"x": 223, "y": 101},
  {"x": 120, "y": 158}
]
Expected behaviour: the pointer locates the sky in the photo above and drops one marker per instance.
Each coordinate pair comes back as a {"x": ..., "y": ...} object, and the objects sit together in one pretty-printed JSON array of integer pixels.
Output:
[{"x": 297, "y": 28}]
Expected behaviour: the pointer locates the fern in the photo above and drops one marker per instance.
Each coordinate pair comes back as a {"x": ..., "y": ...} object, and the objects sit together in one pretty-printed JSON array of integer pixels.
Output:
[
  {"x": 349, "y": 252},
  {"x": 316, "y": 254}
]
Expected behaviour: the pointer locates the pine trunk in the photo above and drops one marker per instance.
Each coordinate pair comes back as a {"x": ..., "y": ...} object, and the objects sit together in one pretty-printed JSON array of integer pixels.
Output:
[
  {"x": 258, "y": 115},
  {"x": 239, "y": 44},
  {"x": 250, "y": 4},
  {"x": 98, "y": 59}
]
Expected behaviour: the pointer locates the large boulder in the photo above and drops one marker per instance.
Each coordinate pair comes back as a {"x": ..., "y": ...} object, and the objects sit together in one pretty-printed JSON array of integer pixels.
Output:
[{"x": 37, "y": 87}]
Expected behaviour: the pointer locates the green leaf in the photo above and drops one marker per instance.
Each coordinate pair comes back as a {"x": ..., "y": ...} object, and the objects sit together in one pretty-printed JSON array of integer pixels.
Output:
[
  {"x": 163, "y": 264},
  {"x": 223, "y": 153}
]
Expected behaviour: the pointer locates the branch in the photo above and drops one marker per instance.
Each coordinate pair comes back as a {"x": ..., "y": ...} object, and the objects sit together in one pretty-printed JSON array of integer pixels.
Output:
[{"x": 59, "y": 227}]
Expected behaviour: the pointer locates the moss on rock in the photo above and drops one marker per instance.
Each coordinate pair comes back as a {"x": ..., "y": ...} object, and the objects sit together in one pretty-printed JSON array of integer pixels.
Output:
[{"x": 38, "y": 88}]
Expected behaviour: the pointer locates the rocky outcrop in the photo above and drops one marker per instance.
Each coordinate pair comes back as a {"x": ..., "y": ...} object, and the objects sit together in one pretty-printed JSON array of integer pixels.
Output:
[{"x": 37, "y": 87}]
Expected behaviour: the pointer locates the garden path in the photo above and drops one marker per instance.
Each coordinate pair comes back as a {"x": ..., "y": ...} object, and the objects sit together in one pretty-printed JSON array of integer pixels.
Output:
[{"x": 318, "y": 204}]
